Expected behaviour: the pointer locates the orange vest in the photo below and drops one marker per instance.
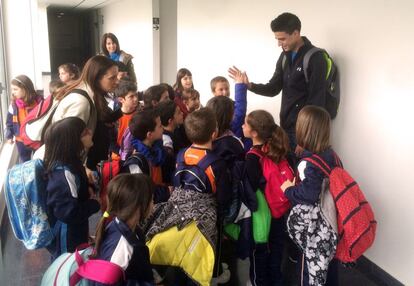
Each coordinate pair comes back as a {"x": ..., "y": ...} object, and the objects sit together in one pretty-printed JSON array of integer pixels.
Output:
[
  {"x": 123, "y": 123},
  {"x": 21, "y": 116}
]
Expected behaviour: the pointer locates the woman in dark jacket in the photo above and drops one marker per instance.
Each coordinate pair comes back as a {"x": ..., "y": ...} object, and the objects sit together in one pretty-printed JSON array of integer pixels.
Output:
[{"x": 111, "y": 49}]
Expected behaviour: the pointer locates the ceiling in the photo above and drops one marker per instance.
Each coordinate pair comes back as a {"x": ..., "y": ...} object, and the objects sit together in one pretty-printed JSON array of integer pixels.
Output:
[{"x": 77, "y": 4}]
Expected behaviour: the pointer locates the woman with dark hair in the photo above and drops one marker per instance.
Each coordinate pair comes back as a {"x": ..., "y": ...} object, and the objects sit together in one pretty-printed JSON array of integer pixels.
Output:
[
  {"x": 111, "y": 49},
  {"x": 85, "y": 99},
  {"x": 70, "y": 202},
  {"x": 23, "y": 100}
]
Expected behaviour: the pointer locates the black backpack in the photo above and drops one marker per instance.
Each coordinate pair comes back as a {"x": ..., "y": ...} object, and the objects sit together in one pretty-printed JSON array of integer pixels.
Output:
[
  {"x": 332, "y": 79},
  {"x": 194, "y": 177}
]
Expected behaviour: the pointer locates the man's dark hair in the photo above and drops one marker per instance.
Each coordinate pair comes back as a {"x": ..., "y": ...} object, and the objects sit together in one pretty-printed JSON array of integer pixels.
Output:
[
  {"x": 286, "y": 22},
  {"x": 143, "y": 122},
  {"x": 124, "y": 88},
  {"x": 200, "y": 125}
]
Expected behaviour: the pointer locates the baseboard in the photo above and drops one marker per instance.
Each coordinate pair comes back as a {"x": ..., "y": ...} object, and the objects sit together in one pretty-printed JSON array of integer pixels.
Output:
[{"x": 375, "y": 273}]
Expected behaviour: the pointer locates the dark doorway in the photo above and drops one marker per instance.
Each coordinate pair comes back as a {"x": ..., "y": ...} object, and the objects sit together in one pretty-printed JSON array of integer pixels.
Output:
[{"x": 71, "y": 36}]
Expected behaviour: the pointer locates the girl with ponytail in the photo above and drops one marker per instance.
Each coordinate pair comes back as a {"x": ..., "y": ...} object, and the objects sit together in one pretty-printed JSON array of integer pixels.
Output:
[
  {"x": 118, "y": 236},
  {"x": 269, "y": 141}
]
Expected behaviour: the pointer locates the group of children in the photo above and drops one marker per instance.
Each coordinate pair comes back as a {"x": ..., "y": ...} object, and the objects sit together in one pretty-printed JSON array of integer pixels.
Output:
[{"x": 170, "y": 126}]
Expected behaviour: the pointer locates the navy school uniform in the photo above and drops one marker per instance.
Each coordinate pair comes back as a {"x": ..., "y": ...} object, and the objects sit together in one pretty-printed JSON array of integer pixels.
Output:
[
  {"x": 266, "y": 259},
  {"x": 69, "y": 207},
  {"x": 138, "y": 164},
  {"x": 127, "y": 249},
  {"x": 229, "y": 148}
]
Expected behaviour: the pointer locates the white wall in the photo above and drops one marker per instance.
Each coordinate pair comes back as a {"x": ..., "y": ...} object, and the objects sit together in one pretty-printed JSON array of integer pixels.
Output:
[
  {"x": 131, "y": 22},
  {"x": 371, "y": 42},
  {"x": 156, "y": 43}
]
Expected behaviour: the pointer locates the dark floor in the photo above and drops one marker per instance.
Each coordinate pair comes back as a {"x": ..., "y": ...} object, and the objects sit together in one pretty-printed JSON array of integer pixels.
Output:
[{"x": 23, "y": 267}]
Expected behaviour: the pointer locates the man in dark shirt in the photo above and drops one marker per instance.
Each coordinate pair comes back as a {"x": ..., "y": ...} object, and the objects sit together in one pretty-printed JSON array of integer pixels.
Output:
[{"x": 289, "y": 75}]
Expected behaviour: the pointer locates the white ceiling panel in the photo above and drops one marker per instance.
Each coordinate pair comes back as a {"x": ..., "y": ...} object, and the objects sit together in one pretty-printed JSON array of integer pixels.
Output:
[{"x": 80, "y": 4}]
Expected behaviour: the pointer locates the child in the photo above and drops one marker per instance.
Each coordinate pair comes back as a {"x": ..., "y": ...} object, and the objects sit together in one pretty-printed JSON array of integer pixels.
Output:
[
  {"x": 121, "y": 241},
  {"x": 270, "y": 139},
  {"x": 226, "y": 145},
  {"x": 240, "y": 105},
  {"x": 55, "y": 85},
  {"x": 149, "y": 154},
  {"x": 312, "y": 133},
  {"x": 184, "y": 82},
  {"x": 200, "y": 202},
  {"x": 201, "y": 129},
  {"x": 70, "y": 200},
  {"x": 230, "y": 149},
  {"x": 191, "y": 99},
  {"x": 126, "y": 93},
  {"x": 170, "y": 89},
  {"x": 220, "y": 86},
  {"x": 171, "y": 117},
  {"x": 154, "y": 95},
  {"x": 68, "y": 73},
  {"x": 24, "y": 99}
]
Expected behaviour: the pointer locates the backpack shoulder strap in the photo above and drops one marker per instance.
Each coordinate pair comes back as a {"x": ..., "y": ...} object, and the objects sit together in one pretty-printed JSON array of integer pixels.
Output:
[
  {"x": 97, "y": 270},
  {"x": 319, "y": 163},
  {"x": 143, "y": 163},
  {"x": 338, "y": 161},
  {"x": 207, "y": 160},
  {"x": 306, "y": 59},
  {"x": 257, "y": 152},
  {"x": 180, "y": 156},
  {"x": 85, "y": 94}
]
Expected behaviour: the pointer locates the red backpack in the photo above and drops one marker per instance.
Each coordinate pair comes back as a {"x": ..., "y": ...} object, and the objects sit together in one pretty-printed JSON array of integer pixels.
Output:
[
  {"x": 39, "y": 118},
  {"x": 36, "y": 122},
  {"x": 356, "y": 222},
  {"x": 275, "y": 175},
  {"x": 107, "y": 169}
]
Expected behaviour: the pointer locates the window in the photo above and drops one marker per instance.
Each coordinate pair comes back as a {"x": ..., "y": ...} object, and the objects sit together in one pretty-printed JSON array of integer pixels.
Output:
[{"x": 4, "y": 95}]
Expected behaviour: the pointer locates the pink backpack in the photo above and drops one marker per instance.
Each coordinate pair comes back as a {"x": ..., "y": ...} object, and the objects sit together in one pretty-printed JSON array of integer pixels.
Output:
[
  {"x": 275, "y": 175},
  {"x": 76, "y": 268}
]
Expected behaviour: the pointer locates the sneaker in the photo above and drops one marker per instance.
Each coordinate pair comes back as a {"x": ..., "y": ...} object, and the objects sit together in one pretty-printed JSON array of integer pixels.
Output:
[
  {"x": 157, "y": 277},
  {"x": 223, "y": 278}
]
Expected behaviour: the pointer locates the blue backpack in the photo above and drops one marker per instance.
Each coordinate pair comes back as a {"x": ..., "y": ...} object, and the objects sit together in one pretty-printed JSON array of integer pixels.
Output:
[
  {"x": 25, "y": 193},
  {"x": 194, "y": 177}
]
